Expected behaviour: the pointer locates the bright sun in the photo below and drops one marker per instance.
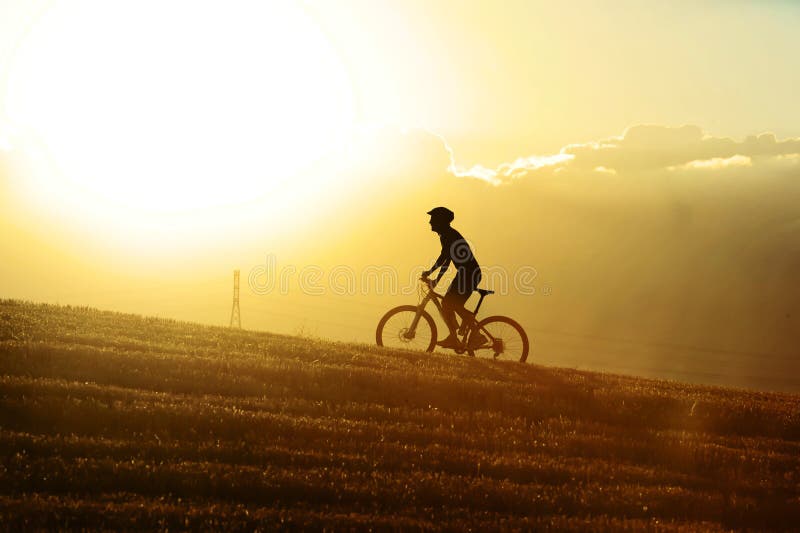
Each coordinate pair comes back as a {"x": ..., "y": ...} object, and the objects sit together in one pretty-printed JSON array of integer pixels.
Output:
[{"x": 174, "y": 106}]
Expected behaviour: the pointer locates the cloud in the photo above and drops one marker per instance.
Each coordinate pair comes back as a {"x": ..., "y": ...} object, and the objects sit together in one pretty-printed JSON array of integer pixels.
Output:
[
  {"x": 654, "y": 148},
  {"x": 604, "y": 170},
  {"x": 716, "y": 163},
  {"x": 504, "y": 172},
  {"x": 641, "y": 150}
]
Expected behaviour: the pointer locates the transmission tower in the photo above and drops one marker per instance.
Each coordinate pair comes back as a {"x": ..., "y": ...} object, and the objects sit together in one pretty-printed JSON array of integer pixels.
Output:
[{"x": 236, "y": 317}]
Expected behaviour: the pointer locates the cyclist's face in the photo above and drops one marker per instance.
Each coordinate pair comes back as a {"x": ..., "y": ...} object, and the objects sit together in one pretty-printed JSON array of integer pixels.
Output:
[{"x": 437, "y": 224}]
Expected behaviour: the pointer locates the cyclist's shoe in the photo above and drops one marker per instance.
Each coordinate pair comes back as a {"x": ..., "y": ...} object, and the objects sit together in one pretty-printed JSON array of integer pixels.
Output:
[
  {"x": 449, "y": 342},
  {"x": 476, "y": 340}
]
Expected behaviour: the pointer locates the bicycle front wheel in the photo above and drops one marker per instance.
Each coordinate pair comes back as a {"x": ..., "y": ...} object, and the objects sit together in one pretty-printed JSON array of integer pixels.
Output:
[
  {"x": 504, "y": 339},
  {"x": 396, "y": 329}
]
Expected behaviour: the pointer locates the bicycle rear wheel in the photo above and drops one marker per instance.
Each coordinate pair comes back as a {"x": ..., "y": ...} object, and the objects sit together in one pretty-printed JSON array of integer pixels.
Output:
[
  {"x": 505, "y": 339},
  {"x": 394, "y": 329}
]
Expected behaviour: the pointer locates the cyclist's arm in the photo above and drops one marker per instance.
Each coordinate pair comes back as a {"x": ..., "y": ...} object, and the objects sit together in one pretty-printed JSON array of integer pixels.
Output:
[{"x": 443, "y": 262}]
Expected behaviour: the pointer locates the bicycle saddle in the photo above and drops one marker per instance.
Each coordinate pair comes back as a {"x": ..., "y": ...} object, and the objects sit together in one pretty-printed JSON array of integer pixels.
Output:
[{"x": 484, "y": 292}]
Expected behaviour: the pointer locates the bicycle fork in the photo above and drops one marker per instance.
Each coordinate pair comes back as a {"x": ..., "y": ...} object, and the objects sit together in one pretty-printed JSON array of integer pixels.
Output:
[{"x": 412, "y": 329}]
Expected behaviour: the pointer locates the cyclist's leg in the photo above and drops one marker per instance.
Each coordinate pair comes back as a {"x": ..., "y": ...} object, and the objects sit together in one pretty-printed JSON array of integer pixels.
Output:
[
  {"x": 453, "y": 302},
  {"x": 450, "y": 306},
  {"x": 473, "y": 279},
  {"x": 468, "y": 282}
]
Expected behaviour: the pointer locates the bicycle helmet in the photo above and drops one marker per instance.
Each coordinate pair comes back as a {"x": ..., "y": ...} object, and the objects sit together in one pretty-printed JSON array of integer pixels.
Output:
[{"x": 442, "y": 213}]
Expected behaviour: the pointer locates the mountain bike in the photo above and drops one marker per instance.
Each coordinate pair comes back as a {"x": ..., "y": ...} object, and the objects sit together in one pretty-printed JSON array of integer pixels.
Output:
[{"x": 412, "y": 327}]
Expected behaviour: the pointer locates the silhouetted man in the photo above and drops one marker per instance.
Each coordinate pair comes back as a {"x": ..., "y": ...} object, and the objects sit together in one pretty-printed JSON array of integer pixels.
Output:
[{"x": 468, "y": 274}]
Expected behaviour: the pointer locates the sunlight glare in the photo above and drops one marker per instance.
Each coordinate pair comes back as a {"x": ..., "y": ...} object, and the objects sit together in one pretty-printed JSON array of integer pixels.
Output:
[{"x": 176, "y": 106}]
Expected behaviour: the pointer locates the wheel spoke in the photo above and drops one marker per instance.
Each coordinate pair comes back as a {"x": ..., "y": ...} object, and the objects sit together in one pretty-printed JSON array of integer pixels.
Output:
[
  {"x": 394, "y": 330},
  {"x": 506, "y": 339}
]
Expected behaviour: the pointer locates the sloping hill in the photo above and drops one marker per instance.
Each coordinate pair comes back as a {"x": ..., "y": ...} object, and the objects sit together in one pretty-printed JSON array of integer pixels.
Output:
[{"x": 119, "y": 421}]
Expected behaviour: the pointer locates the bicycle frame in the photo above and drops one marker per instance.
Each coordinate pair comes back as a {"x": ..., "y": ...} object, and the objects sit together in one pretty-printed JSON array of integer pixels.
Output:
[{"x": 437, "y": 299}]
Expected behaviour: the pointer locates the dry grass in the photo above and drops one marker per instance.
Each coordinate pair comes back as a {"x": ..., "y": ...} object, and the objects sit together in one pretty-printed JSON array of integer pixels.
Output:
[{"x": 118, "y": 421}]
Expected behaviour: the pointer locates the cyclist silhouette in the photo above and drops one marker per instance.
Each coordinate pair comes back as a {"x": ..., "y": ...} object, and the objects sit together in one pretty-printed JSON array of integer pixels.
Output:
[{"x": 456, "y": 250}]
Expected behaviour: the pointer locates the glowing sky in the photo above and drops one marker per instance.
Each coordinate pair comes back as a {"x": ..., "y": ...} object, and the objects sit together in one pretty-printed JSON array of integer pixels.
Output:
[
  {"x": 635, "y": 153},
  {"x": 507, "y": 80}
]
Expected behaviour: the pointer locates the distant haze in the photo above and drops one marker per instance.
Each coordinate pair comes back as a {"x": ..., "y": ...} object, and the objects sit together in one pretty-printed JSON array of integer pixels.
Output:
[{"x": 638, "y": 163}]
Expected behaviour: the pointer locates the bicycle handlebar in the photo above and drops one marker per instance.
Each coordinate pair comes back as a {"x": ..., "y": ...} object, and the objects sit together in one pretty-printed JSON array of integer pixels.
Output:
[{"x": 429, "y": 284}]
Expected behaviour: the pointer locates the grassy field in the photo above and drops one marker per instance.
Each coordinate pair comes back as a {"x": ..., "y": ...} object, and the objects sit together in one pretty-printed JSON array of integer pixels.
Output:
[{"x": 119, "y": 421}]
